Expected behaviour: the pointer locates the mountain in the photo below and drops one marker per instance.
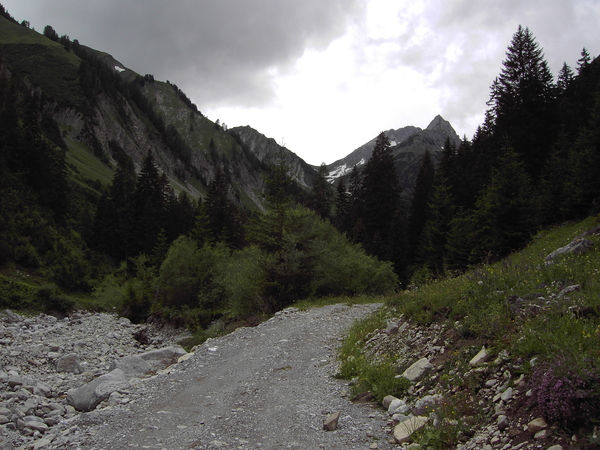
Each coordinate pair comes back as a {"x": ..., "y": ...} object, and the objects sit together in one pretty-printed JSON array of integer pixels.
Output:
[
  {"x": 269, "y": 152},
  {"x": 103, "y": 110},
  {"x": 408, "y": 147}
]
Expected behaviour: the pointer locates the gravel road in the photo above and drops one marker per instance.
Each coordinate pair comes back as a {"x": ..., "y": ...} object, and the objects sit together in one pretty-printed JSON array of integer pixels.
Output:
[{"x": 267, "y": 387}]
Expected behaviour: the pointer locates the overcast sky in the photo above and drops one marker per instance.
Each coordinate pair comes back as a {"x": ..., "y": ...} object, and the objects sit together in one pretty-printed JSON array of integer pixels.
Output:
[{"x": 323, "y": 77}]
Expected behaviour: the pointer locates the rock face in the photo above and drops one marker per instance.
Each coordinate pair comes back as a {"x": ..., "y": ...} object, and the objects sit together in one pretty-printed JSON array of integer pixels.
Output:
[
  {"x": 52, "y": 369},
  {"x": 408, "y": 147}
]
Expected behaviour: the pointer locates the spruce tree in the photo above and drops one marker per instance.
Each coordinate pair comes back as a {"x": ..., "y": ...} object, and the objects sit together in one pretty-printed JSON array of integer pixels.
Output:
[
  {"x": 522, "y": 103},
  {"x": 381, "y": 199},
  {"x": 418, "y": 206}
]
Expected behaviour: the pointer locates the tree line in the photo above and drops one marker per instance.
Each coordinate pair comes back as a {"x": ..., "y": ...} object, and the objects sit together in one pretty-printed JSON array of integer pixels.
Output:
[{"x": 534, "y": 162}]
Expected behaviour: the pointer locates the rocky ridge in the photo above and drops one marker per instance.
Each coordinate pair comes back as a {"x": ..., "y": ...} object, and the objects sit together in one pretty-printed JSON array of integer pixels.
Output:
[{"x": 52, "y": 370}]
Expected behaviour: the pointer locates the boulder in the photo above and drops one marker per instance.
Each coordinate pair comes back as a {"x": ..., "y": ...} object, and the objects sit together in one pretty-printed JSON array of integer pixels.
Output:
[
  {"x": 387, "y": 400},
  {"x": 578, "y": 245},
  {"x": 536, "y": 425},
  {"x": 163, "y": 357},
  {"x": 480, "y": 358},
  {"x": 68, "y": 363},
  {"x": 90, "y": 395},
  {"x": 418, "y": 370},
  {"x": 404, "y": 430},
  {"x": 133, "y": 366}
]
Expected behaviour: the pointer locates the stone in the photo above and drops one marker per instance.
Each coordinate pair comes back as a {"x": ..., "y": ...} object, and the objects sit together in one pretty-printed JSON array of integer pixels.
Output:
[
  {"x": 425, "y": 405},
  {"x": 502, "y": 422},
  {"x": 331, "y": 421},
  {"x": 392, "y": 328},
  {"x": 507, "y": 394},
  {"x": 387, "y": 400},
  {"x": 90, "y": 395},
  {"x": 42, "y": 389},
  {"x": 68, "y": 363},
  {"x": 164, "y": 357},
  {"x": 396, "y": 403},
  {"x": 42, "y": 443},
  {"x": 132, "y": 366},
  {"x": 418, "y": 370},
  {"x": 364, "y": 397},
  {"x": 480, "y": 358},
  {"x": 578, "y": 245},
  {"x": 556, "y": 447},
  {"x": 541, "y": 435},
  {"x": 14, "y": 380},
  {"x": 536, "y": 425},
  {"x": 5, "y": 444},
  {"x": 404, "y": 430}
]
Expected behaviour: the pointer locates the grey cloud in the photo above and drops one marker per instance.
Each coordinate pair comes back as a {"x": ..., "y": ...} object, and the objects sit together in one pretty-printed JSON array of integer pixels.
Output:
[{"x": 222, "y": 50}]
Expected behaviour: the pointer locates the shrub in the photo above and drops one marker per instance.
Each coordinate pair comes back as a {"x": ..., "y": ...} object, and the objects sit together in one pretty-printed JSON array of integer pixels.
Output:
[{"x": 566, "y": 394}]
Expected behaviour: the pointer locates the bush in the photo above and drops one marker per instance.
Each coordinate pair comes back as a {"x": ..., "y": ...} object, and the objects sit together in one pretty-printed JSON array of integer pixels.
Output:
[
  {"x": 51, "y": 300},
  {"x": 565, "y": 394}
]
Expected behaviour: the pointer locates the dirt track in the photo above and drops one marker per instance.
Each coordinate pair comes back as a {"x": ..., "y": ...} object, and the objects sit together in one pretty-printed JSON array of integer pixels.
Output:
[{"x": 267, "y": 387}]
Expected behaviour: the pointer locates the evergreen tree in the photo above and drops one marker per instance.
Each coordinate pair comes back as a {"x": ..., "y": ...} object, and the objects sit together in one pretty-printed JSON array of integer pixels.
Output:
[
  {"x": 322, "y": 194},
  {"x": 565, "y": 78},
  {"x": 342, "y": 218},
  {"x": 440, "y": 212},
  {"x": 522, "y": 103},
  {"x": 223, "y": 219},
  {"x": 584, "y": 61},
  {"x": 381, "y": 199},
  {"x": 506, "y": 213},
  {"x": 149, "y": 206},
  {"x": 418, "y": 206}
]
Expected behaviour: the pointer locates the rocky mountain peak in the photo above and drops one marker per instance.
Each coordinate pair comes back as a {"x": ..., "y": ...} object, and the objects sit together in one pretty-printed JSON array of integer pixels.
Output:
[{"x": 441, "y": 125}]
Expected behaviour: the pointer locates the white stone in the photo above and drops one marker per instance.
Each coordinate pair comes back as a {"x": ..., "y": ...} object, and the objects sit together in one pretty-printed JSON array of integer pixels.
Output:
[
  {"x": 404, "y": 430},
  {"x": 418, "y": 370},
  {"x": 480, "y": 358}
]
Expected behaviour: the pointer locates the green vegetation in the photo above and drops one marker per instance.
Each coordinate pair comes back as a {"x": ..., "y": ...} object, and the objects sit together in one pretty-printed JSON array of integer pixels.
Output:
[{"x": 547, "y": 312}]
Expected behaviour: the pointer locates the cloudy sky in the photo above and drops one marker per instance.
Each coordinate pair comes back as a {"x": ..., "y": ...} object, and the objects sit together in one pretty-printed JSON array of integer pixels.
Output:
[{"x": 323, "y": 77}]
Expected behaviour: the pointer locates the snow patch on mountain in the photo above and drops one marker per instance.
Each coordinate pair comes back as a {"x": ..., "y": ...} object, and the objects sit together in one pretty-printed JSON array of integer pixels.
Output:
[
  {"x": 341, "y": 170},
  {"x": 119, "y": 69}
]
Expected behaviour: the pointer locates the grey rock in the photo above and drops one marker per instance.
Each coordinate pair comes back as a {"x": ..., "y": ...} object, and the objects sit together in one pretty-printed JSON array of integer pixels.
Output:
[
  {"x": 536, "y": 425},
  {"x": 502, "y": 422},
  {"x": 5, "y": 444},
  {"x": 387, "y": 400},
  {"x": 68, "y": 363},
  {"x": 164, "y": 357},
  {"x": 425, "y": 405},
  {"x": 480, "y": 358},
  {"x": 42, "y": 389},
  {"x": 404, "y": 430},
  {"x": 331, "y": 421},
  {"x": 88, "y": 396},
  {"x": 578, "y": 245},
  {"x": 132, "y": 365},
  {"x": 418, "y": 370},
  {"x": 507, "y": 394},
  {"x": 392, "y": 328},
  {"x": 394, "y": 405}
]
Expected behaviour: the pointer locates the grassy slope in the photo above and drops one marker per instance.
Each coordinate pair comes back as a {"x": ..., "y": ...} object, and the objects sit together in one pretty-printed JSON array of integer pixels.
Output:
[{"x": 514, "y": 305}]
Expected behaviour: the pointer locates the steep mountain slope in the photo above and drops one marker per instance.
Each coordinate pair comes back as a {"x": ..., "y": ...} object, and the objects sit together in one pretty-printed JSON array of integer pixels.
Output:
[
  {"x": 408, "y": 147},
  {"x": 104, "y": 109},
  {"x": 268, "y": 151}
]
